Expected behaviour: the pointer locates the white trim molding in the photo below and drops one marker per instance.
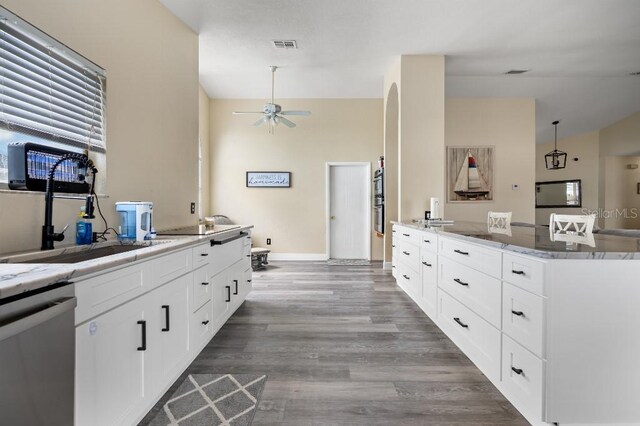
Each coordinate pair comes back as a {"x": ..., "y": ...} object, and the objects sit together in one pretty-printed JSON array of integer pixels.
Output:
[{"x": 298, "y": 256}]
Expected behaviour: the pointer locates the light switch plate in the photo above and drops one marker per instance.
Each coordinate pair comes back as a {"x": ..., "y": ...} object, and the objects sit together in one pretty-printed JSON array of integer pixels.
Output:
[{"x": 193, "y": 208}]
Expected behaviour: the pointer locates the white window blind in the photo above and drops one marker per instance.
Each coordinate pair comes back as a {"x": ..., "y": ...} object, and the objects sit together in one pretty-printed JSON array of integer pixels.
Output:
[{"x": 47, "y": 89}]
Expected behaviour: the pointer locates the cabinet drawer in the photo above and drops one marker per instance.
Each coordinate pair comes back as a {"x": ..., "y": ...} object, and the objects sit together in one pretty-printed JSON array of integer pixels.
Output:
[
  {"x": 478, "y": 339},
  {"x": 225, "y": 255},
  {"x": 523, "y": 317},
  {"x": 479, "y": 258},
  {"x": 201, "y": 255},
  {"x": 409, "y": 280},
  {"x": 477, "y": 291},
  {"x": 408, "y": 234},
  {"x": 524, "y": 272},
  {"x": 200, "y": 288},
  {"x": 171, "y": 266},
  {"x": 202, "y": 326},
  {"x": 522, "y": 378},
  {"x": 429, "y": 267},
  {"x": 429, "y": 242},
  {"x": 409, "y": 254},
  {"x": 247, "y": 240}
]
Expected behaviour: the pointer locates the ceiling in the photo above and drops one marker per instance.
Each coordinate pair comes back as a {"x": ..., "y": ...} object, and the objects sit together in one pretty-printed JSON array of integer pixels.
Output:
[{"x": 579, "y": 52}]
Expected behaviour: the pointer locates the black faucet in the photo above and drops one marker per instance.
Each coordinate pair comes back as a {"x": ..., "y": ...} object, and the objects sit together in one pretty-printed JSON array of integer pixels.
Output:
[{"x": 48, "y": 234}]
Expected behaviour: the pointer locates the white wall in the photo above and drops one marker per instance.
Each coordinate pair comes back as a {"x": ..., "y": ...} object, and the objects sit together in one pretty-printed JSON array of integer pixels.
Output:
[
  {"x": 294, "y": 218},
  {"x": 509, "y": 126},
  {"x": 151, "y": 59}
]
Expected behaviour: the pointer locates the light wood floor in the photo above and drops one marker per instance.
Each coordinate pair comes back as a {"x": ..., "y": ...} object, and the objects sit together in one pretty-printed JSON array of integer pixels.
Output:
[{"x": 343, "y": 345}]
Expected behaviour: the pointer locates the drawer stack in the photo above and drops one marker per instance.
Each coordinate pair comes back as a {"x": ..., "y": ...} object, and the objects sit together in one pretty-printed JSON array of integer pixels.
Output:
[{"x": 408, "y": 261}]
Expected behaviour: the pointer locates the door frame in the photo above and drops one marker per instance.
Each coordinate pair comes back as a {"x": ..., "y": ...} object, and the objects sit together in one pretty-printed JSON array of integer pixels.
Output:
[{"x": 368, "y": 183}]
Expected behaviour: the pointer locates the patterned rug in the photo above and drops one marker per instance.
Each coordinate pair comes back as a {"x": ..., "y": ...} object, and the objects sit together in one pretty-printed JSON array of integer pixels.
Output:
[
  {"x": 348, "y": 262},
  {"x": 213, "y": 399}
]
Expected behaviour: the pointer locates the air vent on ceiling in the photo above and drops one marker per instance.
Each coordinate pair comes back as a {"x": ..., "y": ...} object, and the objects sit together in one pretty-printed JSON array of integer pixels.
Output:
[
  {"x": 635, "y": 73},
  {"x": 285, "y": 44},
  {"x": 516, "y": 71}
]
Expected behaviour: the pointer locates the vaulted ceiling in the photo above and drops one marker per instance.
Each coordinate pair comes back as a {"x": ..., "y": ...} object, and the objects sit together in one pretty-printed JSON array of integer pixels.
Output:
[{"x": 580, "y": 53}]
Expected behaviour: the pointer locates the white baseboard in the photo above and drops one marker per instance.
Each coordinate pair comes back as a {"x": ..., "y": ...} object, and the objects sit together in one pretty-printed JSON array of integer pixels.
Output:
[
  {"x": 297, "y": 256},
  {"x": 386, "y": 266}
]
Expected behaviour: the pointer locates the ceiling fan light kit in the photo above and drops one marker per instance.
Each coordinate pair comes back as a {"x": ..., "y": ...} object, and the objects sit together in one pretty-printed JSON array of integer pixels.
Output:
[
  {"x": 555, "y": 159},
  {"x": 272, "y": 112}
]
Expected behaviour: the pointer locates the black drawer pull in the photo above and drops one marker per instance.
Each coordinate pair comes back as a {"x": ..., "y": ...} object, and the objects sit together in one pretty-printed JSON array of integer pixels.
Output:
[
  {"x": 205, "y": 322},
  {"x": 518, "y": 313},
  {"x": 466, "y": 253},
  {"x": 427, "y": 241},
  {"x": 166, "y": 318},
  {"x": 248, "y": 281},
  {"x": 236, "y": 290},
  {"x": 406, "y": 277},
  {"x": 517, "y": 371},
  {"x": 228, "y": 293},
  {"x": 463, "y": 325},
  {"x": 426, "y": 264},
  {"x": 393, "y": 245},
  {"x": 393, "y": 230},
  {"x": 459, "y": 281},
  {"x": 513, "y": 271},
  {"x": 406, "y": 253},
  {"x": 393, "y": 266},
  {"x": 205, "y": 283},
  {"x": 144, "y": 335},
  {"x": 406, "y": 235},
  {"x": 248, "y": 255},
  {"x": 204, "y": 254}
]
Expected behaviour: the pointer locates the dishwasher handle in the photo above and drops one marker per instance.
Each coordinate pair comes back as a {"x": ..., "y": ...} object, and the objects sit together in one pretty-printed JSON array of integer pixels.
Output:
[{"x": 33, "y": 319}]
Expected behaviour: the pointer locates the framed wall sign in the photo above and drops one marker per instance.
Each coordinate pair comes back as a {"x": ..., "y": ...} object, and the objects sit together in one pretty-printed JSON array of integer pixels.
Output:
[{"x": 268, "y": 179}]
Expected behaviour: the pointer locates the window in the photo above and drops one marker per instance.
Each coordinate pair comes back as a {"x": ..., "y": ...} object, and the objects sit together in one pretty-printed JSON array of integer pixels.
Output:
[{"x": 49, "y": 94}]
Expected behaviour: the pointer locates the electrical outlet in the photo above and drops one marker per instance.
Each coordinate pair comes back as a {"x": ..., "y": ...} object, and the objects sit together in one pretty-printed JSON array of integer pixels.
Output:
[
  {"x": 193, "y": 208},
  {"x": 268, "y": 241}
]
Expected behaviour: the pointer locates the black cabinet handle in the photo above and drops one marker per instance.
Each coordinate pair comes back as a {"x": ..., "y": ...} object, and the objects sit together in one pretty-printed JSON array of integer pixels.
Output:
[
  {"x": 406, "y": 277},
  {"x": 406, "y": 253},
  {"x": 463, "y": 325},
  {"x": 205, "y": 322},
  {"x": 427, "y": 241},
  {"x": 461, "y": 282},
  {"x": 144, "y": 335},
  {"x": 406, "y": 235},
  {"x": 393, "y": 245},
  {"x": 205, "y": 283},
  {"x": 228, "y": 293},
  {"x": 248, "y": 281},
  {"x": 393, "y": 231},
  {"x": 466, "y": 253},
  {"x": 426, "y": 264},
  {"x": 517, "y": 370},
  {"x": 518, "y": 313},
  {"x": 393, "y": 266},
  {"x": 236, "y": 290},
  {"x": 166, "y": 317},
  {"x": 204, "y": 254},
  {"x": 513, "y": 271}
]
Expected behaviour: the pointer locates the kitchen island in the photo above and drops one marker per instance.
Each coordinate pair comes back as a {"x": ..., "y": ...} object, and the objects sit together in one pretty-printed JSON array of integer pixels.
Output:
[
  {"x": 551, "y": 321},
  {"x": 142, "y": 315}
]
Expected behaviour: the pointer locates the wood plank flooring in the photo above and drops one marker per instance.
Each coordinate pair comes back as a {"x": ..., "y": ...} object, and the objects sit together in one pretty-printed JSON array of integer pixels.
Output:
[{"x": 343, "y": 345}]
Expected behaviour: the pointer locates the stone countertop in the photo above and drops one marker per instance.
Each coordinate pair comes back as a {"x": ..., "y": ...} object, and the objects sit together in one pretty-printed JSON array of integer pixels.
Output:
[
  {"x": 536, "y": 241},
  {"x": 16, "y": 278}
]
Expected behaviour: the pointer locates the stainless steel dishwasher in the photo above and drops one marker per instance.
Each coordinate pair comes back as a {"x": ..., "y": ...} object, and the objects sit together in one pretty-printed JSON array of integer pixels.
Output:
[{"x": 37, "y": 357}]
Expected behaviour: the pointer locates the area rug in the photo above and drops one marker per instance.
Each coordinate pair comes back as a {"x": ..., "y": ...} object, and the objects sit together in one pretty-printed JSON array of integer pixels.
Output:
[
  {"x": 348, "y": 262},
  {"x": 213, "y": 399}
]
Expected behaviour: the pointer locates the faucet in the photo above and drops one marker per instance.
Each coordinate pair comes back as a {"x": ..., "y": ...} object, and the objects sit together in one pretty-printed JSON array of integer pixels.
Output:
[{"x": 48, "y": 234}]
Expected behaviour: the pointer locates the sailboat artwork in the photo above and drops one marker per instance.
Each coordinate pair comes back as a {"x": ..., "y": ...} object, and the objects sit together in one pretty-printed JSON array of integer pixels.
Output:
[{"x": 471, "y": 183}]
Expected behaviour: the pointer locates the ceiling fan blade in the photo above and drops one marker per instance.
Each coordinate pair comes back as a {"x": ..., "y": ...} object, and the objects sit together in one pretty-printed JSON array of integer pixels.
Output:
[
  {"x": 295, "y": 113},
  {"x": 246, "y": 112},
  {"x": 261, "y": 121},
  {"x": 286, "y": 122}
]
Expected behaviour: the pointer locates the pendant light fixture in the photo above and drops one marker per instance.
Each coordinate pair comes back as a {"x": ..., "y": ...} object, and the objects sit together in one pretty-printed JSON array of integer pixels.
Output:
[{"x": 555, "y": 159}]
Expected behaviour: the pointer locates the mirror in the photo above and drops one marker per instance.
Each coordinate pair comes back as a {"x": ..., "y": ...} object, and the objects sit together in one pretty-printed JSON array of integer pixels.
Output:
[{"x": 559, "y": 193}]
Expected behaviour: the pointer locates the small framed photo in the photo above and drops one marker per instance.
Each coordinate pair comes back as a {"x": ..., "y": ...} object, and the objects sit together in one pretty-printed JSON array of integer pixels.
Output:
[{"x": 268, "y": 179}]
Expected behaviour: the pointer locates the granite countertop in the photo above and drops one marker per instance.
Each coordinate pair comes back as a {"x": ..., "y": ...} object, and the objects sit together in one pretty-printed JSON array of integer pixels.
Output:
[
  {"x": 536, "y": 241},
  {"x": 16, "y": 278}
]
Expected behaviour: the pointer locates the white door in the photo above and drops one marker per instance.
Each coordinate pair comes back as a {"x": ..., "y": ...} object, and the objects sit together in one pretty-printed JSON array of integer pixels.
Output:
[{"x": 349, "y": 210}]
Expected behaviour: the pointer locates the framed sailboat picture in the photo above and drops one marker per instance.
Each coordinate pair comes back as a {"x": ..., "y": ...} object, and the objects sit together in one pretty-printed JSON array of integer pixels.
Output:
[{"x": 469, "y": 174}]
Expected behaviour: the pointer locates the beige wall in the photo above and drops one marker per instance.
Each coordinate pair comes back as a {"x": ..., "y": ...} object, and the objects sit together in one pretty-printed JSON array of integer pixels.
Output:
[
  {"x": 621, "y": 208},
  {"x": 621, "y": 138},
  {"x": 203, "y": 137},
  {"x": 151, "y": 60},
  {"x": 294, "y": 218},
  {"x": 585, "y": 147},
  {"x": 509, "y": 126}
]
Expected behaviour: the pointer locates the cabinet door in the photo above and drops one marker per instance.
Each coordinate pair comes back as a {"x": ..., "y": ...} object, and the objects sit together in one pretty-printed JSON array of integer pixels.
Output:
[
  {"x": 111, "y": 384},
  {"x": 429, "y": 263},
  {"x": 222, "y": 294},
  {"x": 172, "y": 325},
  {"x": 247, "y": 278}
]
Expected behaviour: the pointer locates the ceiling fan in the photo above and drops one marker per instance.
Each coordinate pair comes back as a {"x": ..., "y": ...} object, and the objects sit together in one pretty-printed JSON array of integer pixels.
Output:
[{"x": 272, "y": 112}]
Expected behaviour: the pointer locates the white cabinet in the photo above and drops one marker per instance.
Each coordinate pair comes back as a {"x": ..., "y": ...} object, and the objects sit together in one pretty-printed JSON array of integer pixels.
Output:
[
  {"x": 429, "y": 266},
  {"x": 221, "y": 298}
]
